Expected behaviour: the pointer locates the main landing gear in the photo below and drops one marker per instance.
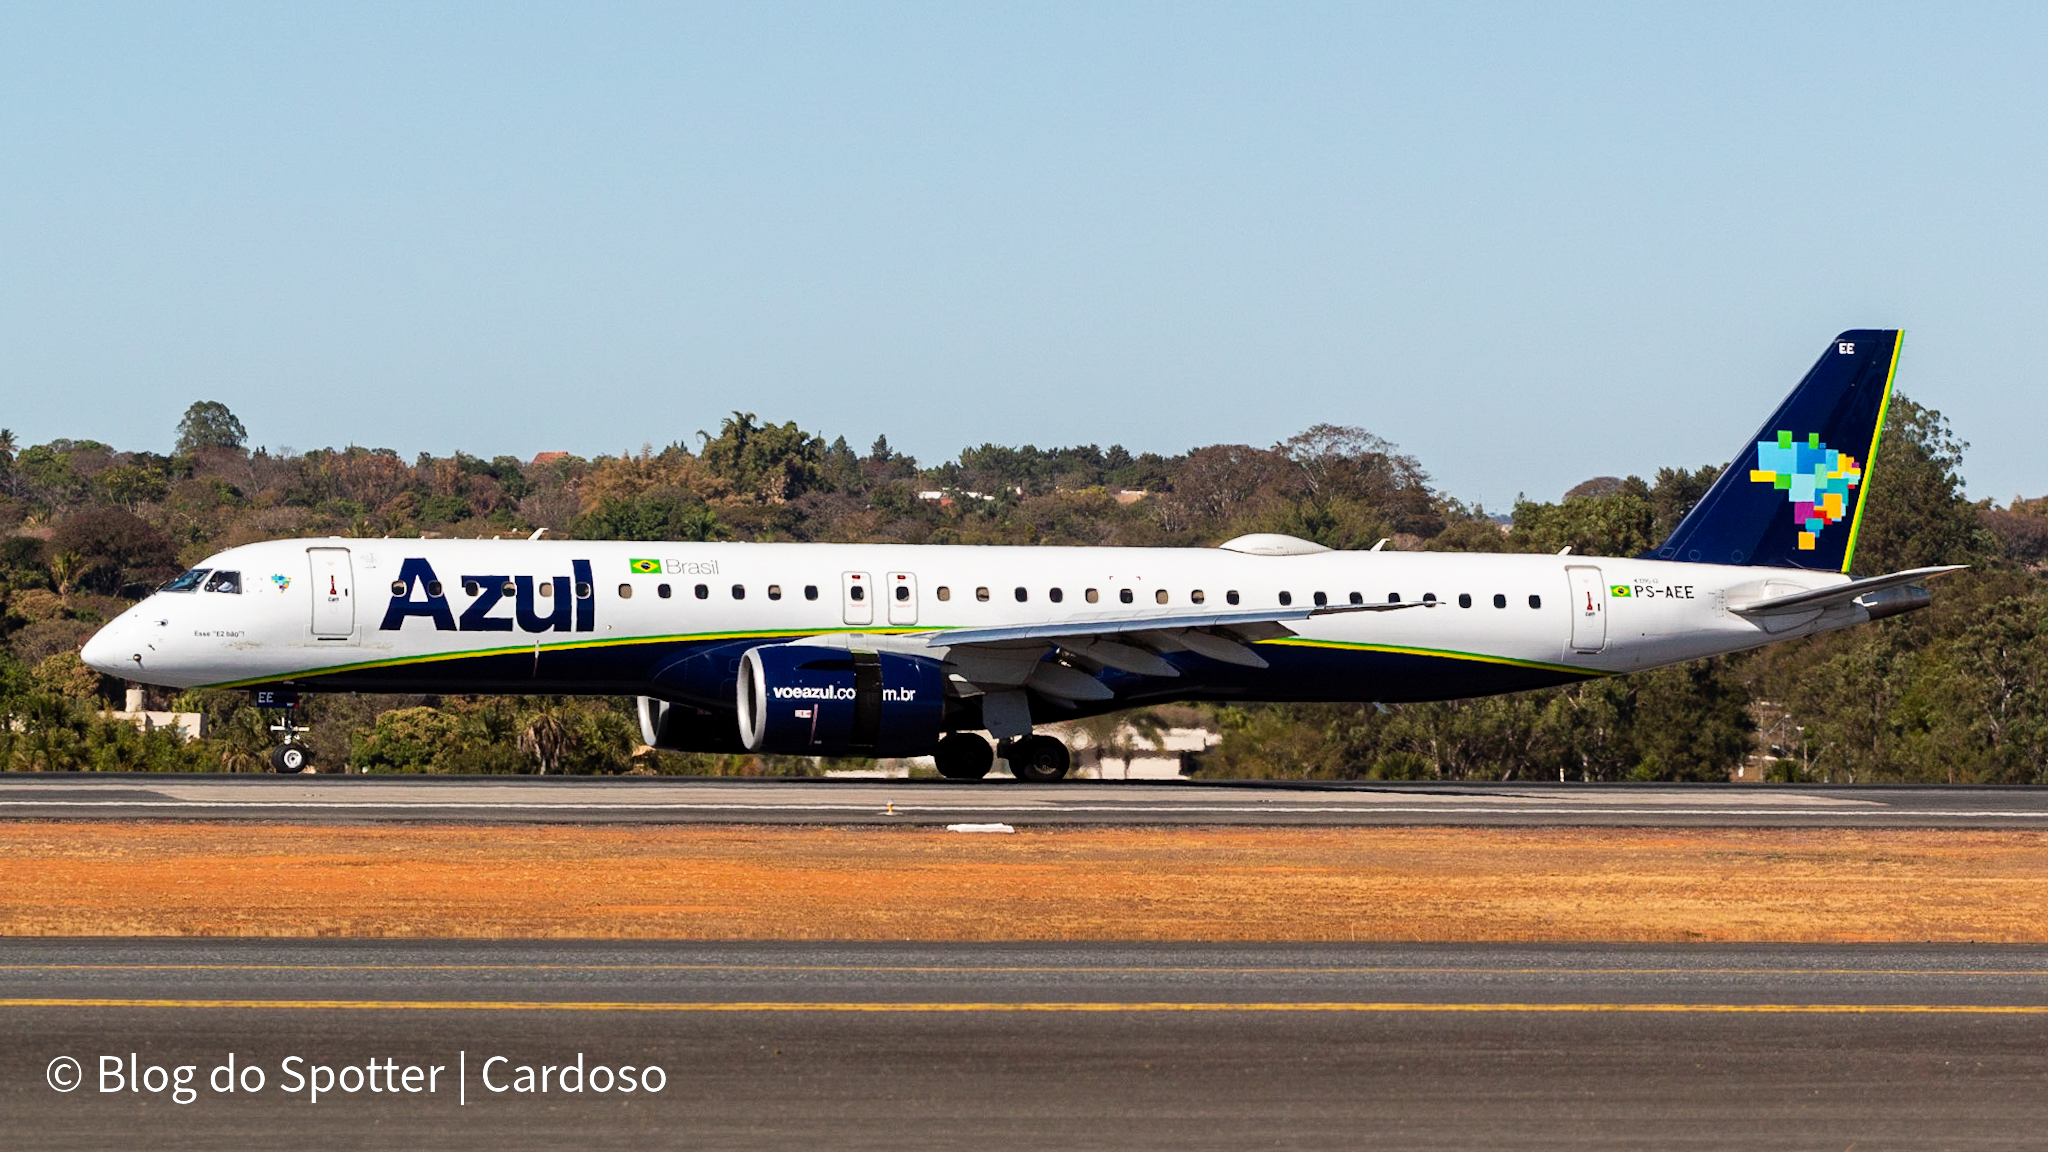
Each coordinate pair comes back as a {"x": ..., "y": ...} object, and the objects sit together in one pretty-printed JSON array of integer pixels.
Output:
[
  {"x": 1033, "y": 759},
  {"x": 963, "y": 756},
  {"x": 1036, "y": 759}
]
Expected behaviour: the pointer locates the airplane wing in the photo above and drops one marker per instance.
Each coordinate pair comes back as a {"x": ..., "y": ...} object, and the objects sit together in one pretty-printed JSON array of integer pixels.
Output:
[
  {"x": 1108, "y": 625},
  {"x": 999, "y": 663}
]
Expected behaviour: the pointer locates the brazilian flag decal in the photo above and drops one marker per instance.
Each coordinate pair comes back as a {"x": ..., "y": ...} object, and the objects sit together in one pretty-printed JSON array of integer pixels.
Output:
[
  {"x": 646, "y": 567},
  {"x": 1618, "y": 591}
]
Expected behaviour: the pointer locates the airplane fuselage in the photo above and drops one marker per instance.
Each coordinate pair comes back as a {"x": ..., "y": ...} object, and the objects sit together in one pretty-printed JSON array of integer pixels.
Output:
[{"x": 669, "y": 620}]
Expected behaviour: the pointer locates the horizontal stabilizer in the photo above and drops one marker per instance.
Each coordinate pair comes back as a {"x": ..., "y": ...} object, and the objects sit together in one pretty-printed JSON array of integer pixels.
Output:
[{"x": 1828, "y": 597}]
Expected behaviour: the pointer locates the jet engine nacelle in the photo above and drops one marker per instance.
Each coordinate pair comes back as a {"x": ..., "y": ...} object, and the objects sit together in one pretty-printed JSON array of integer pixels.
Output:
[{"x": 803, "y": 700}]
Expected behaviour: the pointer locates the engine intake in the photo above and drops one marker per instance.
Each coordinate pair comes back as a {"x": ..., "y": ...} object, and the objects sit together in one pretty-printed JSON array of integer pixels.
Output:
[{"x": 802, "y": 700}]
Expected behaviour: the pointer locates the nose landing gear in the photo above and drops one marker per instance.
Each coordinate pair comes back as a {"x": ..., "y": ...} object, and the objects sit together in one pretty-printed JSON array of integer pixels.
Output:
[{"x": 291, "y": 756}]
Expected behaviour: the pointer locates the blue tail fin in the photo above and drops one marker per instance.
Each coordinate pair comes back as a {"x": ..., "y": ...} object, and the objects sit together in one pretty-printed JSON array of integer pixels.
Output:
[{"x": 1794, "y": 495}]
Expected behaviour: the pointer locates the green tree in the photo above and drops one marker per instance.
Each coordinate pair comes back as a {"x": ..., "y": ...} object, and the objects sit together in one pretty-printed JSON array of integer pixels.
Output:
[
  {"x": 774, "y": 462},
  {"x": 1914, "y": 511},
  {"x": 657, "y": 515},
  {"x": 209, "y": 424},
  {"x": 1617, "y": 524}
]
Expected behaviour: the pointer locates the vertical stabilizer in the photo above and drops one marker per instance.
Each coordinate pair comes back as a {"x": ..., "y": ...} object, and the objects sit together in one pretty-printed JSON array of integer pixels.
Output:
[{"x": 1793, "y": 496}]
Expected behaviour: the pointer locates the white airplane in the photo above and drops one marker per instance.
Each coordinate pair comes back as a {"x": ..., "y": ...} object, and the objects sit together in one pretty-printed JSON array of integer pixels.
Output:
[{"x": 908, "y": 650}]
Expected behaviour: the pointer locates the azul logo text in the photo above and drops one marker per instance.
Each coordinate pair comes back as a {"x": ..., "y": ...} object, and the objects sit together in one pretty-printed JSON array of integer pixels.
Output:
[{"x": 539, "y": 603}]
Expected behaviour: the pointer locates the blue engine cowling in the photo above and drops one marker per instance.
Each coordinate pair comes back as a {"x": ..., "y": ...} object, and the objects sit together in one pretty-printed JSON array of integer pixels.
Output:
[{"x": 800, "y": 700}]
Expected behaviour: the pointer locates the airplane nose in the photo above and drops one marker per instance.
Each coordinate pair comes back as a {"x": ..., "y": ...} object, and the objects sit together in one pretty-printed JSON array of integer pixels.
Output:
[{"x": 103, "y": 653}]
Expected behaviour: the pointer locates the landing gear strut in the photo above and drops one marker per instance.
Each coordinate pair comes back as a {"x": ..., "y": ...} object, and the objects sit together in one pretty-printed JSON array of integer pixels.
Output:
[
  {"x": 1036, "y": 759},
  {"x": 291, "y": 756},
  {"x": 963, "y": 756}
]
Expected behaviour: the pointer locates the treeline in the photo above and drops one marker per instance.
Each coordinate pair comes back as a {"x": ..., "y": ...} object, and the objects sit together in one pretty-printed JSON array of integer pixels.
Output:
[{"x": 1959, "y": 692}]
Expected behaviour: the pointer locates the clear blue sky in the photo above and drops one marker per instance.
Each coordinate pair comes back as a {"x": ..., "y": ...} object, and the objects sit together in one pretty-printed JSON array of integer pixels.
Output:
[{"x": 1530, "y": 243}]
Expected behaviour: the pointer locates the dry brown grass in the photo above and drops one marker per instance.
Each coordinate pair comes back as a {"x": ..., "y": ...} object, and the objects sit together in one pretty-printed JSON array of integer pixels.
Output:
[{"x": 1074, "y": 884}]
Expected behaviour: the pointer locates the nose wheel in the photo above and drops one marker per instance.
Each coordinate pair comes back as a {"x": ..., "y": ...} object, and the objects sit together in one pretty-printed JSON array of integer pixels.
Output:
[
  {"x": 291, "y": 756},
  {"x": 290, "y": 759},
  {"x": 1036, "y": 759}
]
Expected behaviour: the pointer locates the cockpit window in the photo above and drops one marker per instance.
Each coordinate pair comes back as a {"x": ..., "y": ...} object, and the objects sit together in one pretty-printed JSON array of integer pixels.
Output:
[
  {"x": 225, "y": 581},
  {"x": 187, "y": 582}
]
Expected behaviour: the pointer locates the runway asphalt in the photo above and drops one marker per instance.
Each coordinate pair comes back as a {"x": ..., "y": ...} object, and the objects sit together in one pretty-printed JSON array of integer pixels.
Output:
[
  {"x": 682, "y": 800},
  {"x": 1063, "y": 1046}
]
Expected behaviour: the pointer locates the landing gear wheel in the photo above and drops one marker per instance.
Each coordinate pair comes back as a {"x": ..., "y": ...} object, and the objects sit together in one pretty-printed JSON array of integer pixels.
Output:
[
  {"x": 1037, "y": 759},
  {"x": 963, "y": 756},
  {"x": 290, "y": 759}
]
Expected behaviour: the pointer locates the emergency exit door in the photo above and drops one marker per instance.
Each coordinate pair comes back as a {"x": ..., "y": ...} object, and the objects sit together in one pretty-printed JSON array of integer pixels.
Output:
[
  {"x": 857, "y": 597},
  {"x": 902, "y": 598},
  {"x": 1589, "y": 609},
  {"x": 334, "y": 603}
]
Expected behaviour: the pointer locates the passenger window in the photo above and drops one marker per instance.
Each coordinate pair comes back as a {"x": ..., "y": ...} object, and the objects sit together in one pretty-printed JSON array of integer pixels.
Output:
[
  {"x": 1358, "y": 597},
  {"x": 544, "y": 586},
  {"x": 661, "y": 590},
  {"x": 1196, "y": 597},
  {"x": 775, "y": 591},
  {"x": 190, "y": 580},
  {"x": 1092, "y": 596},
  {"x": 583, "y": 590},
  {"x": 981, "y": 594},
  {"x": 1124, "y": 595},
  {"x": 810, "y": 591},
  {"x": 945, "y": 593},
  {"x": 472, "y": 588},
  {"x": 1055, "y": 595},
  {"x": 1286, "y": 598},
  {"x": 625, "y": 590},
  {"x": 1393, "y": 597},
  {"x": 1230, "y": 597},
  {"x": 231, "y": 582},
  {"x": 1464, "y": 599},
  {"x": 1322, "y": 600},
  {"x": 400, "y": 588},
  {"x": 902, "y": 592},
  {"x": 739, "y": 591},
  {"x": 509, "y": 588},
  {"x": 1160, "y": 596},
  {"x": 1499, "y": 601},
  {"x": 1535, "y": 601},
  {"x": 703, "y": 591},
  {"x": 1429, "y": 597},
  {"x": 1022, "y": 595}
]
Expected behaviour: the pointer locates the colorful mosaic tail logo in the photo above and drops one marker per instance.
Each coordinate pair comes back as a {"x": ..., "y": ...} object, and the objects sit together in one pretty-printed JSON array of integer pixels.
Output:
[{"x": 1813, "y": 476}]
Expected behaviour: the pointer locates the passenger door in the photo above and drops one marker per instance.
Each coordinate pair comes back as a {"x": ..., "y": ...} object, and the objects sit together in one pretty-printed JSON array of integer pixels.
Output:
[
  {"x": 902, "y": 598},
  {"x": 1589, "y": 609},
  {"x": 334, "y": 604},
  {"x": 857, "y": 597}
]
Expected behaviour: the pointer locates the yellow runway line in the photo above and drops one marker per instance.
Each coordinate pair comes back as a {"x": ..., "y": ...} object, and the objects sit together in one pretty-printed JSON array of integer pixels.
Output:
[{"x": 1075, "y": 1006}]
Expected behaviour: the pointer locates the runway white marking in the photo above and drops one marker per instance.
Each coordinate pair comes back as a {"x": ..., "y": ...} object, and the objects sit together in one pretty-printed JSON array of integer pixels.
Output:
[{"x": 1051, "y": 809}]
